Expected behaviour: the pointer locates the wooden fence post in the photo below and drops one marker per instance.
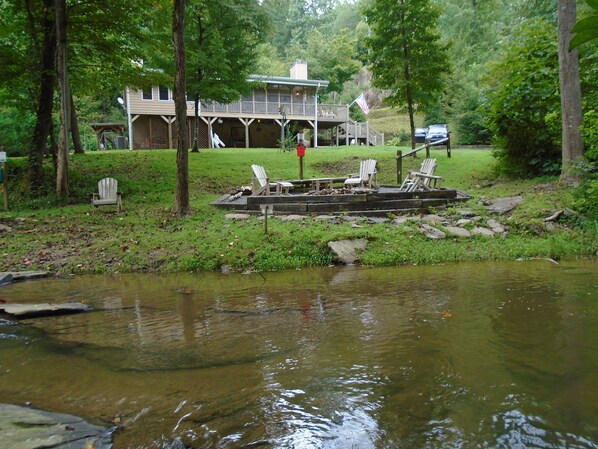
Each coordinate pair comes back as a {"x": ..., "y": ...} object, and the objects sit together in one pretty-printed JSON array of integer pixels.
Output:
[
  {"x": 427, "y": 149},
  {"x": 399, "y": 167}
]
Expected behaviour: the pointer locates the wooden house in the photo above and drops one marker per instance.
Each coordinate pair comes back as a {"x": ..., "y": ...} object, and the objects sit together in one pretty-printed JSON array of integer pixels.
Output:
[{"x": 259, "y": 119}]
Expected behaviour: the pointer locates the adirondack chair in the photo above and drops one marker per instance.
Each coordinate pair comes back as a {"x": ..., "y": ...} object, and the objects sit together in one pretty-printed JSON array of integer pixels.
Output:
[
  {"x": 421, "y": 180},
  {"x": 107, "y": 194},
  {"x": 366, "y": 176},
  {"x": 265, "y": 187}
]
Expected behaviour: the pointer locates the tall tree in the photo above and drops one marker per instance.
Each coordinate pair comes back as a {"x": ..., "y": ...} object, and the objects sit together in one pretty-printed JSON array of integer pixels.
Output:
[
  {"x": 181, "y": 206},
  {"x": 62, "y": 186},
  {"x": 571, "y": 116},
  {"x": 406, "y": 55},
  {"x": 223, "y": 39}
]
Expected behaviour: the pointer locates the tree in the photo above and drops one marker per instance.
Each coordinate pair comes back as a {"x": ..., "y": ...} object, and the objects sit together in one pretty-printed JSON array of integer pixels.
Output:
[
  {"x": 406, "y": 55},
  {"x": 181, "y": 205},
  {"x": 223, "y": 42},
  {"x": 62, "y": 186},
  {"x": 571, "y": 116}
]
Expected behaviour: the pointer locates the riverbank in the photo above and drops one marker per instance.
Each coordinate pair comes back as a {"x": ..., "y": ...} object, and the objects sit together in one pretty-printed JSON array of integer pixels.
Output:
[{"x": 68, "y": 237}]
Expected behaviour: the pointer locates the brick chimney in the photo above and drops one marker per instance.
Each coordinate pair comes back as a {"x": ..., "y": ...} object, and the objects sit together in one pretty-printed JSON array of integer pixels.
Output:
[{"x": 299, "y": 70}]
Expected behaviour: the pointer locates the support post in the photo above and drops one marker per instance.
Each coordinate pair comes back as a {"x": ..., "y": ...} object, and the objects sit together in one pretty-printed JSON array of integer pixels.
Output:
[
  {"x": 427, "y": 149},
  {"x": 448, "y": 145},
  {"x": 399, "y": 167}
]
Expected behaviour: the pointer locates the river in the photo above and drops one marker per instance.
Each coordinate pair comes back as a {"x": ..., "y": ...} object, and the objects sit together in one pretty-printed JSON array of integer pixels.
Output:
[{"x": 484, "y": 355}]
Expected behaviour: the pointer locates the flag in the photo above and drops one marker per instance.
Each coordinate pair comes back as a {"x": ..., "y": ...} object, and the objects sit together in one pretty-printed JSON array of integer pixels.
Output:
[{"x": 362, "y": 103}]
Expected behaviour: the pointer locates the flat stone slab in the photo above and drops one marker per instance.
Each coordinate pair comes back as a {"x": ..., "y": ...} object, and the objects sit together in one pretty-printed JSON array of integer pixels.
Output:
[
  {"x": 457, "y": 231},
  {"x": 348, "y": 251},
  {"x": 431, "y": 232},
  {"x": 26, "y": 275},
  {"x": 5, "y": 278},
  {"x": 237, "y": 216},
  {"x": 482, "y": 231},
  {"x": 504, "y": 205},
  {"x": 43, "y": 309},
  {"x": 28, "y": 428}
]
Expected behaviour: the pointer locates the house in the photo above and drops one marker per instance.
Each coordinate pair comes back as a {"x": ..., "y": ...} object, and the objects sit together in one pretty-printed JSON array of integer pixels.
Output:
[{"x": 257, "y": 120}]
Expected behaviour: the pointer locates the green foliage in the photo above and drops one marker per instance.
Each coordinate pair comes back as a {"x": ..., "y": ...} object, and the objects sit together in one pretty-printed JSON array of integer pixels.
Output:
[
  {"x": 590, "y": 134},
  {"x": 523, "y": 100},
  {"x": 406, "y": 55},
  {"x": 585, "y": 29},
  {"x": 586, "y": 195}
]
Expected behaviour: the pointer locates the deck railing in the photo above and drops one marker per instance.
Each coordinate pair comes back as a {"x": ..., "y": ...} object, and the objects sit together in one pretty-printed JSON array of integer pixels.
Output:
[{"x": 330, "y": 112}]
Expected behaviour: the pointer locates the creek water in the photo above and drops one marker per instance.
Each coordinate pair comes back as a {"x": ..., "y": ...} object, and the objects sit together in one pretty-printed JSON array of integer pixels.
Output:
[{"x": 485, "y": 355}]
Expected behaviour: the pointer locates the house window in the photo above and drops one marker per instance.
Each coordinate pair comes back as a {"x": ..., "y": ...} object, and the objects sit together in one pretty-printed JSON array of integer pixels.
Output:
[
  {"x": 163, "y": 93},
  {"x": 147, "y": 93}
]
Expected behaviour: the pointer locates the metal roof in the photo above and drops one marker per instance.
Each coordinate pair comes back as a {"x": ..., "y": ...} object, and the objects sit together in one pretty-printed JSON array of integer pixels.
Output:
[{"x": 285, "y": 80}]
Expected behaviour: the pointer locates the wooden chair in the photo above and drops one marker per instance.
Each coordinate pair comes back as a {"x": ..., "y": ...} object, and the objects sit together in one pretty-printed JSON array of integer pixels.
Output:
[
  {"x": 421, "y": 180},
  {"x": 108, "y": 194},
  {"x": 366, "y": 176},
  {"x": 265, "y": 186}
]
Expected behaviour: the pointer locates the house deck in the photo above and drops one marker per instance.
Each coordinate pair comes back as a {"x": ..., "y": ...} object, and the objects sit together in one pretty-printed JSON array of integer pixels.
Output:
[{"x": 303, "y": 200}]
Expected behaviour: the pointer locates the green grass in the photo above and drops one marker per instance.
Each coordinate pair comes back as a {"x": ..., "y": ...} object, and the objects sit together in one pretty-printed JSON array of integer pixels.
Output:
[{"x": 65, "y": 236}]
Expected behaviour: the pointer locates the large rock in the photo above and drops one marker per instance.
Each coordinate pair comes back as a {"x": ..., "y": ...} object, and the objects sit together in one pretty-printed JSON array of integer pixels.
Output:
[
  {"x": 457, "y": 231},
  {"x": 28, "y": 428},
  {"x": 431, "y": 232},
  {"x": 482, "y": 231},
  {"x": 44, "y": 309},
  {"x": 348, "y": 251},
  {"x": 27, "y": 275},
  {"x": 504, "y": 205}
]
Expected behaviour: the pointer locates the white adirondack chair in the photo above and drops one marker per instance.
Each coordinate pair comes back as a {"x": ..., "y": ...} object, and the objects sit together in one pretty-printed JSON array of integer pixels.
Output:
[
  {"x": 265, "y": 186},
  {"x": 366, "y": 176},
  {"x": 421, "y": 180},
  {"x": 108, "y": 194}
]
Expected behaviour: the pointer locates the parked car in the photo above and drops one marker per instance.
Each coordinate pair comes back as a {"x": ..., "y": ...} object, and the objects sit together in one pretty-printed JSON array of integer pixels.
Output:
[
  {"x": 420, "y": 135},
  {"x": 437, "y": 132}
]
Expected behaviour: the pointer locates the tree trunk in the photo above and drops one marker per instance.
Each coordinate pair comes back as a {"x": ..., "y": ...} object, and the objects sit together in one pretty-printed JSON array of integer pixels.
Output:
[
  {"x": 181, "y": 206},
  {"x": 43, "y": 118},
  {"x": 572, "y": 149},
  {"x": 196, "y": 126},
  {"x": 75, "y": 127},
  {"x": 62, "y": 186}
]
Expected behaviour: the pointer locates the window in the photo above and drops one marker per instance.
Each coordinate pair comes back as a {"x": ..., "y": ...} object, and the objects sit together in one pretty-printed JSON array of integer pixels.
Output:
[
  {"x": 147, "y": 93},
  {"x": 163, "y": 93}
]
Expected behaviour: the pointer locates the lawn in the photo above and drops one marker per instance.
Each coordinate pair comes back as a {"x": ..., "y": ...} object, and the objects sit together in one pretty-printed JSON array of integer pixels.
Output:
[{"x": 66, "y": 236}]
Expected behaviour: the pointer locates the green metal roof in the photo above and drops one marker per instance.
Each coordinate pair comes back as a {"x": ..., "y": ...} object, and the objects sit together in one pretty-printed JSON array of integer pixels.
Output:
[{"x": 284, "y": 80}]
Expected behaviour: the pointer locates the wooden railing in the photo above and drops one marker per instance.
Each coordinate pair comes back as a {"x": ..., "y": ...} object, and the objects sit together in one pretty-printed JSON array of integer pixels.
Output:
[
  {"x": 331, "y": 112},
  {"x": 426, "y": 146}
]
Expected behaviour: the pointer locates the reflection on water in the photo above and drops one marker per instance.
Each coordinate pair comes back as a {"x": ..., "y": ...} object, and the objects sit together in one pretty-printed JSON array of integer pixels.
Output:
[{"x": 470, "y": 355}]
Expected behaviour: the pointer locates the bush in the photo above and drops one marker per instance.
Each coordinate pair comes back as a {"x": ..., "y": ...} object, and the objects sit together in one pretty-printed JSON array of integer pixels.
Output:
[{"x": 524, "y": 104}]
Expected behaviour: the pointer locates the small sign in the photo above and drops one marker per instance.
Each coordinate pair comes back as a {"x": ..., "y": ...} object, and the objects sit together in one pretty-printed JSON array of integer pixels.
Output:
[{"x": 2, "y": 156}]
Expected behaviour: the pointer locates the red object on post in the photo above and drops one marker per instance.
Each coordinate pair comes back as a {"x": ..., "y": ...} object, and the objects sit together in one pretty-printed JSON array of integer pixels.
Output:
[{"x": 300, "y": 149}]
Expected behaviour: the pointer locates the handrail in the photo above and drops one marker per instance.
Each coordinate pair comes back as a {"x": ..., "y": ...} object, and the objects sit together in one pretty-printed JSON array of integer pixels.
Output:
[{"x": 427, "y": 146}]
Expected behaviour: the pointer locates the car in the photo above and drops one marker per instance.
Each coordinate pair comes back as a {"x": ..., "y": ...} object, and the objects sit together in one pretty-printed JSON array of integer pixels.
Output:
[
  {"x": 420, "y": 135},
  {"x": 437, "y": 132}
]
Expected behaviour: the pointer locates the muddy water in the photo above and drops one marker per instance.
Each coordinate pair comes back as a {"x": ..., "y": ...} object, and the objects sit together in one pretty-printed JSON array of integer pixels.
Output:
[{"x": 456, "y": 356}]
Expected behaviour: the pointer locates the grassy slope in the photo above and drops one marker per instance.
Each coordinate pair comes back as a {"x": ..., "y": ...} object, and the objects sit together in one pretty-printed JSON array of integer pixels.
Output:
[{"x": 69, "y": 238}]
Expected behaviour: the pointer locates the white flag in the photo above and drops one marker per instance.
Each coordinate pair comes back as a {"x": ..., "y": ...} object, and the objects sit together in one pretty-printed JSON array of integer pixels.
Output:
[{"x": 362, "y": 103}]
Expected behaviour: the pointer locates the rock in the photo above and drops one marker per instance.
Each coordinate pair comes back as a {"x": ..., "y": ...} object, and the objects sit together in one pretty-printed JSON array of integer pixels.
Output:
[
  {"x": 348, "y": 251},
  {"x": 432, "y": 218},
  {"x": 465, "y": 213},
  {"x": 464, "y": 222},
  {"x": 492, "y": 223},
  {"x": 325, "y": 217},
  {"x": 28, "y": 428},
  {"x": 457, "y": 231},
  {"x": 293, "y": 218},
  {"x": 504, "y": 205},
  {"x": 498, "y": 230},
  {"x": 431, "y": 232},
  {"x": 400, "y": 220},
  {"x": 482, "y": 231},
  {"x": 378, "y": 220},
  {"x": 237, "y": 216},
  {"x": 4, "y": 228},
  {"x": 351, "y": 218},
  {"x": 27, "y": 275},
  {"x": 44, "y": 309},
  {"x": 5, "y": 278}
]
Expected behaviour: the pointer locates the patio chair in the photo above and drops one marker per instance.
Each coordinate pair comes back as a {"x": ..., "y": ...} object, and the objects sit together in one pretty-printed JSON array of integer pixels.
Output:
[
  {"x": 424, "y": 179},
  {"x": 366, "y": 176},
  {"x": 265, "y": 187},
  {"x": 108, "y": 194}
]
